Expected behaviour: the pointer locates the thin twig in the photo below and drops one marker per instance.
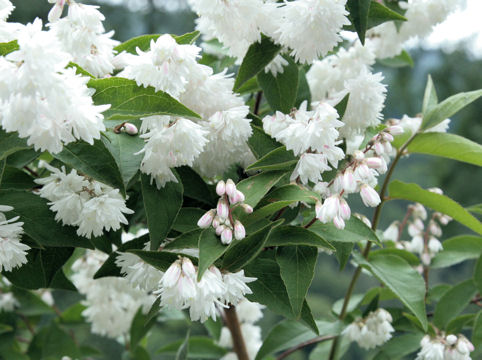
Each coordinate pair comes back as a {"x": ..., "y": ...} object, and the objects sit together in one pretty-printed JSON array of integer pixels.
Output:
[
  {"x": 310, "y": 223},
  {"x": 316, "y": 340},
  {"x": 32, "y": 172},
  {"x": 257, "y": 104}
]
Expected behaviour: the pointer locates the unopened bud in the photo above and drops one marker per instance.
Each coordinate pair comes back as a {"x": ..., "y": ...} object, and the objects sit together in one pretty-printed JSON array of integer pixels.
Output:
[
  {"x": 451, "y": 339},
  {"x": 222, "y": 209},
  {"x": 369, "y": 196},
  {"x": 373, "y": 162},
  {"x": 358, "y": 155},
  {"x": 220, "y": 229},
  {"x": 344, "y": 212},
  {"x": 379, "y": 149},
  {"x": 318, "y": 207},
  {"x": 395, "y": 130},
  {"x": 230, "y": 187},
  {"x": 227, "y": 236},
  {"x": 247, "y": 208},
  {"x": 387, "y": 137},
  {"x": 349, "y": 183},
  {"x": 217, "y": 221},
  {"x": 206, "y": 220},
  {"x": 238, "y": 197},
  {"x": 387, "y": 147},
  {"x": 221, "y": 188},
  {"x": 130, "y": 129},
  {"x": 339, "y": 223},
  {"x": 239, "y": 230}
]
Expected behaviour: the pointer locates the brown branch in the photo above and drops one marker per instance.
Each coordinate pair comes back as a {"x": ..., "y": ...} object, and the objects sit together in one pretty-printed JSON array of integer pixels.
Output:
[
  {"x": 232, "y": 322},
  {"x": 257, "y": 104},
  {"x": 316, "y": 340},
  {"x": 310, "y": 223},
  {"x": 32, "y": 172}
]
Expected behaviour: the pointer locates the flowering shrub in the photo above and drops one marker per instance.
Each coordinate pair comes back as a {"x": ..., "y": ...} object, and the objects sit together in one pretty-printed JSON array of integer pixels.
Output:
[{"x": 144, "y": 179}]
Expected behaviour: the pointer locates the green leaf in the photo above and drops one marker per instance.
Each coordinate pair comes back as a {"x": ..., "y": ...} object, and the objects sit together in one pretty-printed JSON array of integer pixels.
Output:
[
  {"x": 458, "y": 249},
  {"x": 456, "y": 325},
  {"x": 278, "y": 159},
  {"x": 411, "y": 258},
  {"x": 130, "y": 101},
  {"x": 184, "y": 348},
  {"x": 448, "y": 107},
  {"x": 123, "y": 148},
  {"x": 94, "y": 161},
  {"x": 288, "y": 333},
  {"x": 280, "y": 91},
  {"x": 143, "y": 42},
  {"x": 259, "y": 55},
  {"x": 341, "y": 106},
  {"x": 453, "y": 303},
  {"x": 188, "y": 240},
  {"x": 159, "y": 259},
  {"x": 11, "y": 143},
  {"x": 196, "y": 188},
  {"x": 359, "y": 16},
  {"x": 39, "y": 222},
  {"x": 297, "y": 269},
  {"x": 441, "y": 203},
  {"x": 79, "y": 70},
  {"x": 244, "y": 251},
  {"x": 261, "y": 143},
  {"x": 401, "y": 60},
  {"x": 304, "y": 92},
  {"x": 478, "y": 274},
  {"x": 378, "y": 14},
  {"x": 8, "y": 47},
  {"x": 139, "y": 328},
  {"x": 161, "y": 207},
  {"x": 355, "y": 230},
  {"x": 30, "y": 303},
  {"x": 210, "y": 249},
  {"x": 255, "y": 187},
  {"x": 343, "y": 252},
  {"x": 295, "y": 235},
  {"x": 199, "y": 348},
  {"x": 405, "y": 282},
  {"x": 399, "y": 346},
  {"x": 430, "y": 99},
  {"x": 475, "y": 209},
  {"x": 446, "y": 145},
  {"x": 52, "y": 342},
  {"x": 187, "y": 219},
  {"x": 477, "y": 331}
]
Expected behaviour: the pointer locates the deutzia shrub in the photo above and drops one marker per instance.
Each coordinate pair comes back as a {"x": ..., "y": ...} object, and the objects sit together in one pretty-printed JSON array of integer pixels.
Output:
[{"x": 175, "y": 185}]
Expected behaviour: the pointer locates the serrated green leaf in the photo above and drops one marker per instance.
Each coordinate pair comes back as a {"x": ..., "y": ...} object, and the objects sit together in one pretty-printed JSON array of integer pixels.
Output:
[
  {"x": 196, "y": 188},
  {"x": 295, "y": 235},
  {"x": 401, "y": 60},
  {"x": 378, "y": 14},
  {"x": 441, "y": 203},
  {"x": 458, "y": 249},
  {"x": 199, "y": 348},
  {"x": 130, "y": 101},
  {"x": 448, "y": 107},
  {"x": 446, "y": 145},
  {"x": 341, "y": 106},
  {"x": 210, "y": 249},
  {"x": 159, "y": 259},
  {"x": 297, "y": 269},
  {"x": 405, "y": 282},
  {"x": 79, "y": 70},
  {"x": 280, "y": 91},
  {"x": 255, "y": 187},
  {"x": 430, "y": 99},
  {"x": 94, "y": 161},
  {"x": 453, "y": 303},
  {"x": 11, "y": 143},
  {"x": 259, "y": 55},
  {"x": 355, "y": 230},
  {"x": 261, "y": 143},
  {"x": 8, "y": 47},
  {"x": 342, "y": 252},
  {"x": 161, "y": 207},
  {"x": 278, "y": 159},
  {"x": 358, "y": 16}
]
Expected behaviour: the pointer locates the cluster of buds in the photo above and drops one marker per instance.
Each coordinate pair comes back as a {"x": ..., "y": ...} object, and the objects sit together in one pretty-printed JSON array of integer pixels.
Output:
[
  {"x": 222, "y": 218},
  {"x": 359, "y": 176},
  {"x": 424, "y": 238},
  {"x": 450, "y": 347}
]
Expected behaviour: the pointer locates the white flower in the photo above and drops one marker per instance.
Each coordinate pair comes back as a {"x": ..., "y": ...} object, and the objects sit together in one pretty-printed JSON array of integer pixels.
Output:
[
  {"x": 6, "y": 9},
  {"x": 249, "y": 312},
  {"x": 210, "y": 289},
  {"x": 310, "y": 27},
  {"x": 372, "y": 331},
  {"x": 276, "y": 66},
  {"x": 12, "y": 251},
  {"x": 431, "y": 349},
  {"x": 369, "y": 196},
  {"x": 8, "y": 302},
  {"x": 310, "y": 167},
  {"x": 236, "y": 287},
  {"x": 392, "y": 232}
]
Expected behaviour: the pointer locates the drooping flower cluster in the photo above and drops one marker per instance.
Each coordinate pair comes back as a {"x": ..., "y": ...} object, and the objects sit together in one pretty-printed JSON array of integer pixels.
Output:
[
  {"x": 111, "y": 302},
  {"x": 358, "y": 176},
  {"x": 450, "y": 347},
  {"x": 238, "y": 23},
  {"x": 424, "y": 240},
  {"x": 179, "y": 289},
  {"x": 412, "y": 124},
  {"x": 222, "y": 218},
  {"x": 83, "y": 36},
  {"x": 311, "y": 134},
  {"x": 46, "y": 103},
  {"x": 210, "y": 144},
  {"x": 373, "y": 330},
  {"x": 79, "y": 201},
  {"x": 12, "y": 251},
  {"x": 248, "y": 313}
]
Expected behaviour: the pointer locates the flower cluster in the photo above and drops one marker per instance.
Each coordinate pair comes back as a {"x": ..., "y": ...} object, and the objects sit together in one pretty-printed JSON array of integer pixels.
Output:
[
  {"x": 111, "y": 302},
  {"x": 8, "y": 301},
  {"x": 412, "y": 124},
  {"x": 372, "y": 331},
  {"x": 424, "y": 240},
  {"x": 450, "y": 347},
  {"x": 311, "y": 134},
  {"x": 46, "y": 103},
  {"x": 210, "y": 144},
  {"x": 358, "y": 176},
  {"x": 83, "y": 36},
  {"x": 83, "y": 202},
  {"x": 248, "y": 313},
  {"x": 222, "y": 218},
  {"x": 12, "y": 251},
  {"x": 179, "y": 289}
]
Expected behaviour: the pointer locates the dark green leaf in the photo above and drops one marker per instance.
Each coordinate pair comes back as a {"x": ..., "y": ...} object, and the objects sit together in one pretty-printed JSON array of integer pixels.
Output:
[
  {"x": 341, "y": 106},
  {"x": 343, "y": 252},
  {"x": 53, "y": 343},
  {"x": 413, "y": 192},
  {"x": 21, "y": 158},
  {"x": 400, "y": 346},
  {"x": 139, "y": 328},
  {"x": 295, "y": 235},
  {"x": 11, "y": 143},
  {"x": 187, "y": 219},
  {"x": 143, "y": 42},
  {"x": 188, "y": 240},
  {"x": 210, "y": 249},
  {"x": 161, "y": 207},
  {"x": 159, "y": 259},
  {"x": 304, "y": 93},
  {"x": 411, "y": 258},
  {"x": 183, "y": 350},
  {"x": 430, "y": 99},
  {"x": 355, "y": 231},
  {"x": 280, "y": 91},
  {"x": 456, "y": 325},
  {"x": 79, "y": 70},
  {"x": 379, "y": 14},
  {"x": 359, "y": 16},
  {"x": 199, "y": 348},
  {"x": 130, "y": 101},
  {"x": 259, "y": 55},
  {"x": 477, "y": 331},
  {"x": 261, "y": 143},
  {"x": 405, "y": 282},
  {"x": 195, "y": 187},
  {"x": 297, "y": 269},
  {"x": 453, "y": 303},
  {"x": 255, "y": 187},
  {"x": 94, "y": 161},
  {"x": 278, "y": 159},
  {"x": 478, "y": 274},
  {"x": 446, "y": 145},
  {"x": 31, "y": 304},
  {"x": 458, "y": 249},
  {"x": 401, "y": 60}
]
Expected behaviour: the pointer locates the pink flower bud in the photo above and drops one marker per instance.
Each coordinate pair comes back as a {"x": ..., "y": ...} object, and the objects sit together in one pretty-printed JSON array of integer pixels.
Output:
[
  {"x": 206, "y": 220},
  {"x": 216, "y": 222},
  {"x": 339, "y": 223},
  {"x": 349, "y": 183},
  {"x": 221, "y": 188},
  {"x": 387, "y": 147},
  {"x": 56, "y": 11},
  {"x": 373, "y": 162},
  {"x": 387, "y": 137},
  {"x": 230, "y": 187},
  {"x": 395, "y": 130},
  {"x": 362, "y": 171},
  {"x": 227, "y": 236},
  {"x": 338, "y": 184},
  {"x": 220, "y": 229},
  {"x": 222, "y": 208},
  {"x": 379, "y": 149},
  {"x": 369, "y": 196},
  {"x": 344, "y": 212},
  {"x": 247, "y": 208},
  {"x": 188, "y": 268},
  {"x": 238, "y": 197},
  {"x": 329, "y": 209},
  {"x": 358, "y": 155},
  {"x": 239, "y": 231},
  {"x": 130, "y": 129}
]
